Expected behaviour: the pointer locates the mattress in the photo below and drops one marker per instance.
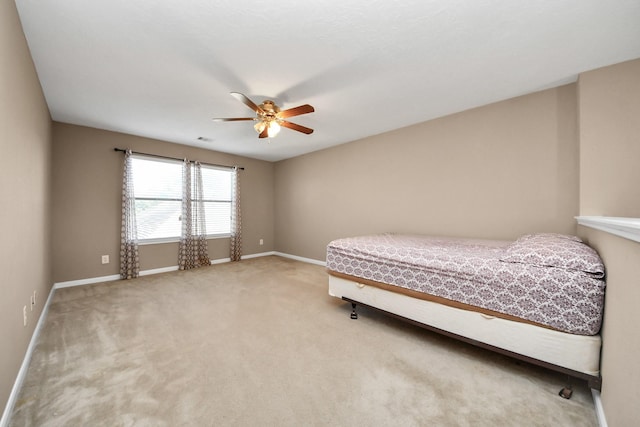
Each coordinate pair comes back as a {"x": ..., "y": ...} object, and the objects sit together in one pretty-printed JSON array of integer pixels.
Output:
[{"x": 555, "y": 281}]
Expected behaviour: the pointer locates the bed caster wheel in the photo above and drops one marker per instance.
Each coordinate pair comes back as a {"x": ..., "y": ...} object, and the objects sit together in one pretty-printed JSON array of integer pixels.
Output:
[{"x": 566, "y": 393}]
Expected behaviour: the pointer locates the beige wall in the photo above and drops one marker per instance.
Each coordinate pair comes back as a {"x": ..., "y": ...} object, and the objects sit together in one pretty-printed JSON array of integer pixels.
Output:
[
  {"x": 609, "y": 105},
  {"x": 25, "y": 144},
  {"x": 492, "y": 172},
  {"x": 87, "y": 180}
]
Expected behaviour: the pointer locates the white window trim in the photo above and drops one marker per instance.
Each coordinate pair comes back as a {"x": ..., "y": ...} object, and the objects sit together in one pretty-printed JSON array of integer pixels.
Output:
[
  {"x": 629, "y": 228},
  {"x": 143, "y": 242}
]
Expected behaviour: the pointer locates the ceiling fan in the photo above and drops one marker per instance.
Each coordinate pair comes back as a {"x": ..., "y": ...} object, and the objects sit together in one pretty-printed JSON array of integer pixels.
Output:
[{"x": 269, "y": 118}]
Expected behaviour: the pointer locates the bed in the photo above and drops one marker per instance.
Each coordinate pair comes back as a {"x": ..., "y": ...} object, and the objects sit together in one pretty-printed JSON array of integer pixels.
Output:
[{"x": 539, "y": 298}]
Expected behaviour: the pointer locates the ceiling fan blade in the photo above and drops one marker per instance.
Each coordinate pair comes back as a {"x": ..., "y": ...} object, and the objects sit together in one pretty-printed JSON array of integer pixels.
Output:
[
  {"x": 233, "y": 119},
  {"x": 246, "y": 101},
  {"x": 264, "y": 132},
  {"x": 296, "y": 111},
  {"x": 296, "y": 127}
]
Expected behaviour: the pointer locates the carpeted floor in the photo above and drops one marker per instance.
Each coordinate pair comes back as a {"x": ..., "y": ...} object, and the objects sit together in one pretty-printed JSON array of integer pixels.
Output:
[{"x": 260, "y": 342}]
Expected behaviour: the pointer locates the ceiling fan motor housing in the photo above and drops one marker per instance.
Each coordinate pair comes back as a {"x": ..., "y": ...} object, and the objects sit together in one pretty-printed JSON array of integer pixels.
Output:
[{"x": 270, "y": 108}]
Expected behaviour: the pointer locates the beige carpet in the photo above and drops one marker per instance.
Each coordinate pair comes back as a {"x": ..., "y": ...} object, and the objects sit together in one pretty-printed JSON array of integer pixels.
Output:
[{"x": 260, "y": 342}]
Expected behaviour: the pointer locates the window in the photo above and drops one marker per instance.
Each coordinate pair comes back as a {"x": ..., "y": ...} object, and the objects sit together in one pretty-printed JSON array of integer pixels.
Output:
[
  {"x": 216, "y": 192},
  {"x": 157, "y": 185}
]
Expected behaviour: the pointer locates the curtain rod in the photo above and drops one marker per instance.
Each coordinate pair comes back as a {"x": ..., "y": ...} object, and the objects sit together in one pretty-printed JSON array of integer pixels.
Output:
[{"x": 175, "y": 158}]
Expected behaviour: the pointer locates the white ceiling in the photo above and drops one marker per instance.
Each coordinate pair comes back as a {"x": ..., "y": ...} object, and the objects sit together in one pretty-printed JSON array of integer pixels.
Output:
[{"x": 163, "y": 68}]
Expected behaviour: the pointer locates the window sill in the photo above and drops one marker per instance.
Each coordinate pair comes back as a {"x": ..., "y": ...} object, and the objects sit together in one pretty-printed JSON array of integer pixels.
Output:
[
  {"x": 177, "y": 239},
  {"x": 629, "y": 228}
]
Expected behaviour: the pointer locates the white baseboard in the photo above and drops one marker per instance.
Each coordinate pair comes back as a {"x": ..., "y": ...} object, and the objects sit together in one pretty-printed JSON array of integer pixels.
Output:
[
  {"x": 22, "y": 373},
  {"x": 261, "y": 254},
  {"x": 303, "y": 259},
  {"x": 88, "y": 281},
  {"x": 597, "y": 401},
  {"x": 157, "y": 271},
  {"x": 113, "y": 277}
]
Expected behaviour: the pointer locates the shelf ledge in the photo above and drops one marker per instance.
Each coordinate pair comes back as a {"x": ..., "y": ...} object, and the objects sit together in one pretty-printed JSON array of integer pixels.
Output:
[{"x": 629, "y": 228}]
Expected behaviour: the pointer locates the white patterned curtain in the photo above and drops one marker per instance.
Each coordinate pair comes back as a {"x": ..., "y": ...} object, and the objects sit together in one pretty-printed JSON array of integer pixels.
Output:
[
  {"x": 129, "y": 260},
  {"x": 236, "y": 217},
  {"x": 193, "y": 250}
]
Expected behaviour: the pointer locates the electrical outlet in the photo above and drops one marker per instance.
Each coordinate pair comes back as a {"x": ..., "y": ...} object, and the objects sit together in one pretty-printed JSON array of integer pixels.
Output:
[
  {"x": 33, "y": 302},
  {"x": 24, "y": 315},
  {"x": 105, "y": 259},
  {"x": 261, "y": 242}
]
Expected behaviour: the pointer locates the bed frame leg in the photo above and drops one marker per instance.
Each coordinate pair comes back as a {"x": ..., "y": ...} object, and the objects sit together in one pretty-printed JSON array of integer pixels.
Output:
[
  {"x": 567, "y": 391},
  {"x": 354, "y": 315}
]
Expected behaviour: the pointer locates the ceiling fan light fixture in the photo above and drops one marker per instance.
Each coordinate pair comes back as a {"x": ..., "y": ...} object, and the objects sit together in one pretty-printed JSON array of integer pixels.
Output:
[
  {"x": 274, "y": 129},
  {"x": 259, "y": 126}
]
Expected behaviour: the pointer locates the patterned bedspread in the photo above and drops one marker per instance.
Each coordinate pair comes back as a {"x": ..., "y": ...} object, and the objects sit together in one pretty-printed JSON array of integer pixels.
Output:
[{"x": 554, "y": 280}]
